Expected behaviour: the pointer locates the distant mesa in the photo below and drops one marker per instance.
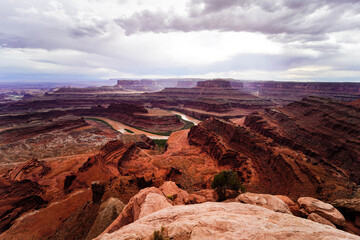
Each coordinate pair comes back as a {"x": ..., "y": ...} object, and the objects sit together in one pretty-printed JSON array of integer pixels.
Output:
[
  {"x": 291, "y": 91},
  {"x": 211, "y": 88},
  {"x": 121, "y": 86},
  {"x": 186, "y": 84},
  {"x": 216, "y": 83},
  {"x": 209, "y": 98},
  {"x": 330, "y": 87},
  {"x": 87, "y": 90},
  {"x": 143, "y": 85},
  {"x": 236, "y": 84}
]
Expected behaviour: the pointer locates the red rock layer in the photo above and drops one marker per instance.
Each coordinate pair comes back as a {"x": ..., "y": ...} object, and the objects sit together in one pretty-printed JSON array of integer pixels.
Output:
[
  {"x": 285, "y": 92},
  {"x": 266, "y": 165},
  {"x": 215, "y": 96},
  {"x": 325, "y": 131},
  {"x": 137, "y": 116}
]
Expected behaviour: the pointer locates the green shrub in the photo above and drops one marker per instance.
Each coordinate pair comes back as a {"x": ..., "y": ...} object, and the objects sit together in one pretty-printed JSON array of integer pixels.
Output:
[
  {"x": 226, "y": 180},
  {"x": 128, "y": 130},
  {"x": 159, "y": 235},
  {"x": 171, "y": 197},
  {"x": 161, "y": 143}
]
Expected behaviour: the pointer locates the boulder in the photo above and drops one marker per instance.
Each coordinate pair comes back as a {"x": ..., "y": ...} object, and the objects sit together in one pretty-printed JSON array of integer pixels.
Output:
[
  {"x": 209, "y": 194},
  {"x": 351, "y": 228},
  {"x": 147, "y": 201},
  {"x": 350, "y": 208},
  {"x": 348, "y": 205},
  {"x": 316, "y": 218},
  {"x": 264, "y": 200},
  {"x": 303, "y": 213},
  {"x": 174, "y": 193},
  {"x": 294, "y": 208},
  {"x": 179, "y": 196},
  {"x": 214, "y": 220},
  {"x": 153, "y": 203},
  {"x": 327, "y": 211},
  {"x": 108, "y": 212}
]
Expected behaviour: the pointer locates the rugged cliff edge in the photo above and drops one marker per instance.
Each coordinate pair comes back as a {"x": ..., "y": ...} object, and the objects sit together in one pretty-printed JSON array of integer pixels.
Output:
[
  {"x": 225, "y": 221},
  {"x": 324, "y": 130},
  {"x": 267, "y": 165}
]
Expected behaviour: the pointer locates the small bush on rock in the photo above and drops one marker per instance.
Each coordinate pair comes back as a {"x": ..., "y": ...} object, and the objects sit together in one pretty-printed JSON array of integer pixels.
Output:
[
  {"x": 226, "y": 180},
  {"x": 159, "y": 235},
  {"x": 171, "y": 197}
]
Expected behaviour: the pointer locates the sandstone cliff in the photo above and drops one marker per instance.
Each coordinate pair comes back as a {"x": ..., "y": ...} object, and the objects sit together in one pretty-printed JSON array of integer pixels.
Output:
[
  {"x": 225, "y": 221},
  {"x": 324, "y": 131}
]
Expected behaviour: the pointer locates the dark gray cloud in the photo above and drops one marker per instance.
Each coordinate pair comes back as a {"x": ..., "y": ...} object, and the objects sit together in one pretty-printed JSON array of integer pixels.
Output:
[
  {"x": 48, "y": 25},
  {"x": 82, "y": 38},
  {"x": 291, "y": 19}
]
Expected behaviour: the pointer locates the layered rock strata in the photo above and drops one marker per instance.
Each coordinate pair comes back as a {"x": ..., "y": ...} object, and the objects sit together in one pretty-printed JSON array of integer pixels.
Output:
[{"x": 323, "y": 130}]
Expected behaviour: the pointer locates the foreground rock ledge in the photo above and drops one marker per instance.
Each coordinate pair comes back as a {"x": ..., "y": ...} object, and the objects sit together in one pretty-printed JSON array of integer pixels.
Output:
[{"x": 226, "y": 221}]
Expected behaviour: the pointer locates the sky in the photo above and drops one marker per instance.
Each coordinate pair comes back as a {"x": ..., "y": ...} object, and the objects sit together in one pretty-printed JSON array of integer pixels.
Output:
[{"x": 288, "y": 40}]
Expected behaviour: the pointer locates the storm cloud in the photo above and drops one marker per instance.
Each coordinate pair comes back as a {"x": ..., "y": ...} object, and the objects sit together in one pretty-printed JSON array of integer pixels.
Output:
[
  {"x": 303, "y": 18},
  {"x": 254, "y": 39}
]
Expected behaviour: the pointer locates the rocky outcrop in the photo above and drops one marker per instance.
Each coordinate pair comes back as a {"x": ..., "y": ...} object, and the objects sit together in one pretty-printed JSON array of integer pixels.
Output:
[
  {"x": 319, "y": 219},
  {"x": 294, "y": 208},
  {"x": 179, "y": 196},
  {"x": 108, "y": 212},
  {"x": 104, "y": 167},
  {"x": 258, "y": 161},
  {"x": 264, "y": 200},
  {"x": 325, "y": 210},
  {"x": 350, "y": 208},
  {"x": 69, "y": 218},
  {"x": 189, "y": 166},
  {"x": 225, "y": 221},
  {"x": 324, "y": 130},
  {"x": 150, "y": 200},
  {"x": 31, "y": 170},
  {"x": 209, "y": 194},
  {"x": 147, "y": 201},
  {"x": 17, "y": 198},
  {"x": 75, "y": 191},
  {"x": 98, "y": 190}
]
